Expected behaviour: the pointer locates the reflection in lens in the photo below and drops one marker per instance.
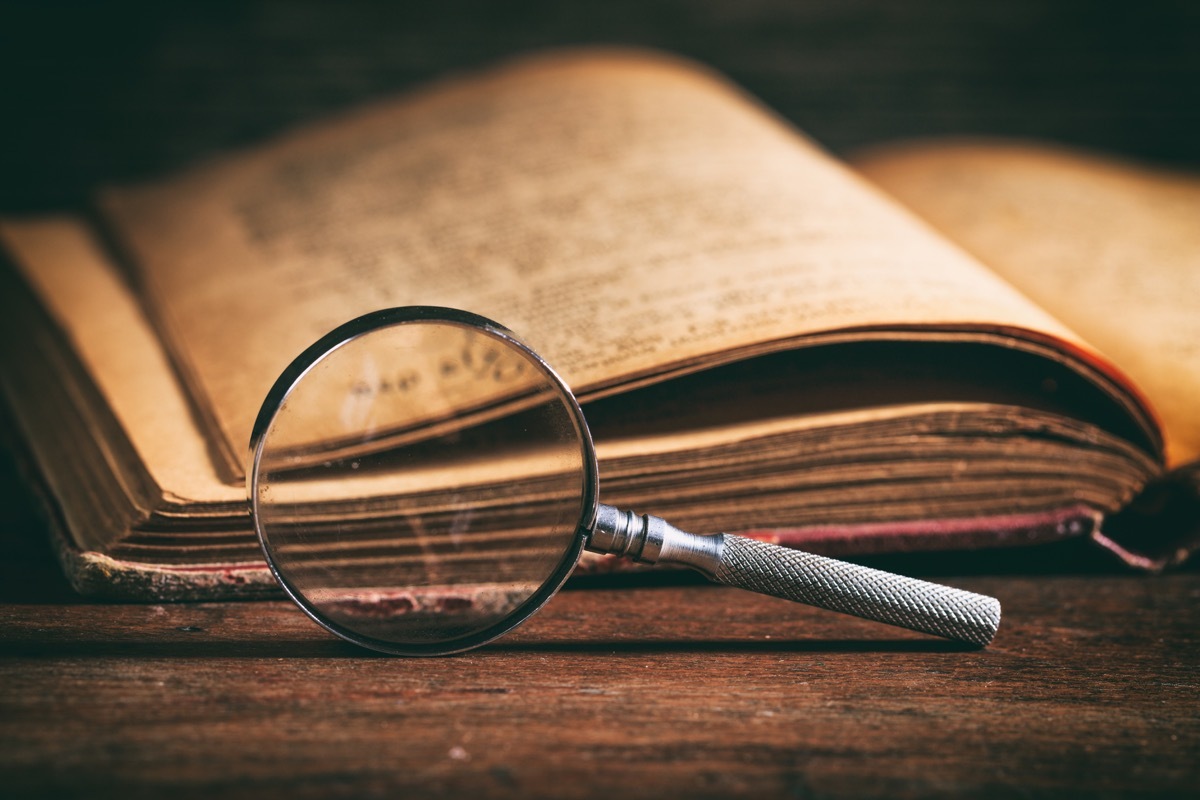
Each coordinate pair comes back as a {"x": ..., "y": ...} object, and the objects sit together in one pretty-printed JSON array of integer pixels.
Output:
[{"x": 422, "y": 483}]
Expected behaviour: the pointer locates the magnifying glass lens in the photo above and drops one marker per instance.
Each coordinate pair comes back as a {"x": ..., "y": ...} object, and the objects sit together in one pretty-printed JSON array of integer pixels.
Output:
[{"x": 420, "y": 485}]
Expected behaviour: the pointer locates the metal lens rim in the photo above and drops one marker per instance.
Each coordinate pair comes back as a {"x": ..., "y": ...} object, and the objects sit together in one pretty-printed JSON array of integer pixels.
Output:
[{"x": 407, "y": 315}]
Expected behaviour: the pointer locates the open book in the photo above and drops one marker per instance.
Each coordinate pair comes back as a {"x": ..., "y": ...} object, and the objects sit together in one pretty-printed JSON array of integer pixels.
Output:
[{"x": 764, "y": 340}]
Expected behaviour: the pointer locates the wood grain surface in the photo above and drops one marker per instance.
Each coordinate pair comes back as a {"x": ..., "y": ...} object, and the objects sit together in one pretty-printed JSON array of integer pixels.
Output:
[{"x": 1090, "y": 689}]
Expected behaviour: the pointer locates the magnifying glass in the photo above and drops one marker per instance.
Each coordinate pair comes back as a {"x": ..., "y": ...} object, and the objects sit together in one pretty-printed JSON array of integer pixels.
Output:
[{"x": 422, "y": 482}]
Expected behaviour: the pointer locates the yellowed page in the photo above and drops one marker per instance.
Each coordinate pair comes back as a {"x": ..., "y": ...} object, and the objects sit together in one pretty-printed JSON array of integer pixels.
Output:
[
  {"x": 77, "y": 285},
  {"x": 1111, "y": 249},
  {"x": 628, "y": 215}
]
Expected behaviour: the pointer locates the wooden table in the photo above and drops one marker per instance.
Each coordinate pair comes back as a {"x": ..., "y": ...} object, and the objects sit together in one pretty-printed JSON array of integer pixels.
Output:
[{"x": 1090, "y": 689}]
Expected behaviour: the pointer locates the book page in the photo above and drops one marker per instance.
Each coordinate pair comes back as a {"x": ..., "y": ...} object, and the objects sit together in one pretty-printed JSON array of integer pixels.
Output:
[
  {"x": 1111, "y": 249},
  {"x": 628, "y": 215},
  {"x": 66, "y": 267}
]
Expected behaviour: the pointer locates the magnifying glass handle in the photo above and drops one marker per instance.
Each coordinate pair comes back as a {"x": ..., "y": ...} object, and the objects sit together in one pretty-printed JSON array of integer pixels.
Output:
[{"x": 802, "y": 577}]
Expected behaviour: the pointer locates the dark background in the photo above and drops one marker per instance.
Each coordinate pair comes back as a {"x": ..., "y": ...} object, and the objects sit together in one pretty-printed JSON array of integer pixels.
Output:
[{"x": 99, "y": 92}]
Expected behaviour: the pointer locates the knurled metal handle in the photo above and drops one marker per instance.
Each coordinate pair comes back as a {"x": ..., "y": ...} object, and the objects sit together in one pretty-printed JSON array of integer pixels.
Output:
[
  {"x": 803, "y": 577},
  {"x": 861, "y": 591}
]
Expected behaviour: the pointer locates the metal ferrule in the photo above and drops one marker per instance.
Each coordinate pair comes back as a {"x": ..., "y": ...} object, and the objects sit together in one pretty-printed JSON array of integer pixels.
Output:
[{"x": 652, "y": 540}]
